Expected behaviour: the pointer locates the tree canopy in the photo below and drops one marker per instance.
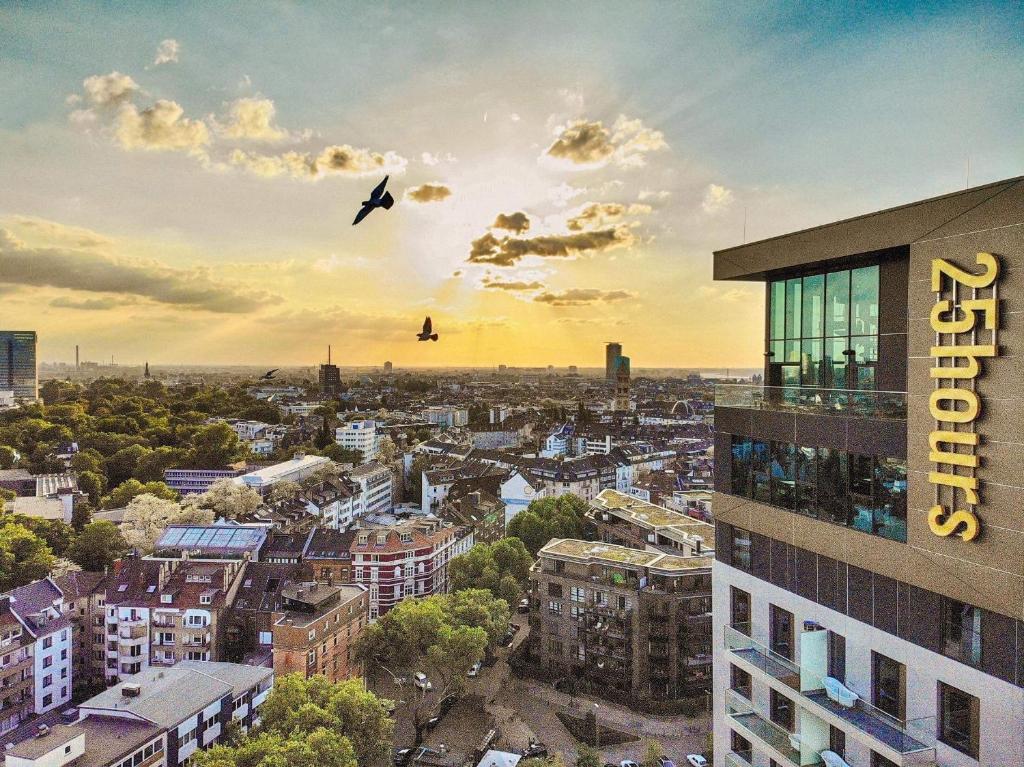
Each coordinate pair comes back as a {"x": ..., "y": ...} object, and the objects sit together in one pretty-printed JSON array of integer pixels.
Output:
[
  {"x": 502, "y": 568},
  {"x": 547, "y": 518},
  {"x": 97, "y": 546},
  {"x": 312, "y": 723},
  {"x": 147, "y": 517}
]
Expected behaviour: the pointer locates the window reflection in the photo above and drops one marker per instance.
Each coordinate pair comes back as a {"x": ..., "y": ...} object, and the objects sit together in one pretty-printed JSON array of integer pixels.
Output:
[
  {"x": 867, "y": 493},
  {"x": 823, "y": 330}
]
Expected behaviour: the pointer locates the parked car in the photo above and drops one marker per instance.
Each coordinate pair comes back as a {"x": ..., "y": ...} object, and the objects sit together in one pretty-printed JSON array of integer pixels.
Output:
[
  {"x": 524, "y": 605},
  {"x": 696, "y": 760},
  {"x": 664, "y": 761},
  {"x": 421, "y": 681},
  {"x": 628, "y": 763},
  {"x": 475, "y": 669},
  {"x": 401, "y": 756},
  {"x": 536, "y": 750}
]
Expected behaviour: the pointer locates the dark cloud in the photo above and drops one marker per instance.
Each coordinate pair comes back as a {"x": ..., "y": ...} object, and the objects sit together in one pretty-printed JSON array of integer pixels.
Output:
[
  {"x": 98, "y": 272},
  {"x": 583, "y": 142},
  {"x": 596, "y": 213},
  {"x": 90, "y": 304},
  {"x": 517, "y": 222},
  {"x": 428, "y": 193},
  {"x": 496, "y": 283},
  {"x": 507, "y": 251},
  {"x": 583, "y": 296}
]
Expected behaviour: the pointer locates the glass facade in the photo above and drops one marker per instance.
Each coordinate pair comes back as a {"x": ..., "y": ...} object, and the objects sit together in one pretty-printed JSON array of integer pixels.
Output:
[
  {"x": 865, "y": 492},
  {"x": 823, "y": 330},
  {"x": 18, "y": 372}
]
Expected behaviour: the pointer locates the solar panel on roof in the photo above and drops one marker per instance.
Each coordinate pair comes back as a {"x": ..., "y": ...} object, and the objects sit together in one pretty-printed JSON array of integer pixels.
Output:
[
  {"x": 172, "y": 536},
  {"x": 191, "y": 536},
  {"x": 222, "y": 538},
  {"x": 206, "y": 536}
]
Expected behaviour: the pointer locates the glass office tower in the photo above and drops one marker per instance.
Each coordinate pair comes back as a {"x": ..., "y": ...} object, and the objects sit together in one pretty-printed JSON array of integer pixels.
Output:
[
  {"x": 869, "y": 575},
  {"x": 18, "y": 371}
]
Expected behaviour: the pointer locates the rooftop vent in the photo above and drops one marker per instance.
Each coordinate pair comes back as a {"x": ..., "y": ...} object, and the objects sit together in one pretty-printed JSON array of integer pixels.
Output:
[
  {"x": 131, "y": 690},
  {"x": 42, "y": 731}
]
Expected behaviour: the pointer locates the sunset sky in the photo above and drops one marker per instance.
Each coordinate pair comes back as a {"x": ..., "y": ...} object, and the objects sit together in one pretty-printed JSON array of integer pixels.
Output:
[{"x": 178, "y": 185}]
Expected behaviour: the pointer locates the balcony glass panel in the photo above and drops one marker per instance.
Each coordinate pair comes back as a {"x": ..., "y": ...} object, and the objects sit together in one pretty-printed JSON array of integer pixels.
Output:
[{"x": 846, "y": 403}]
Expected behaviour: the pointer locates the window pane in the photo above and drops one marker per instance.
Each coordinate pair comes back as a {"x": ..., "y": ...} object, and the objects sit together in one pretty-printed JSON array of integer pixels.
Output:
[
  {"x": 814, "y": 306},
  {"x": 862, "y": 477},
  {"x": 741, "y": 549},
  {"x": 864, "y": 359},
  {"x": 777, "y": 324},
  {"x": 740, "y": 469},
  {"x": 811, "y": 372},
  {"x": 783, "y": 474},
  {"x": 793, "y": 308},
  {"x": 759, "y": 471},
  {"x": 958, "y": 712},
  {"x": 891, "y": 484},
  {"x": 837, "y": 304},
  {"x": 835, "y": 364},
  {"x": 806, "y": 480},
  {"x": 832, "y": 485},
  {"x": 864, "y": 301}
]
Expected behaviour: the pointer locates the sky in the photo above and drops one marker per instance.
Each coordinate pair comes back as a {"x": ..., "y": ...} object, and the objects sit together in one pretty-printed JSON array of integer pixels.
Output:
[{"x": 178, "y": 182}]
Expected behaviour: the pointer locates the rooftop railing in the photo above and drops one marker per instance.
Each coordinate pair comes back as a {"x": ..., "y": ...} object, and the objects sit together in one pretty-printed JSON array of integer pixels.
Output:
[{"x": 850, "y": 403}]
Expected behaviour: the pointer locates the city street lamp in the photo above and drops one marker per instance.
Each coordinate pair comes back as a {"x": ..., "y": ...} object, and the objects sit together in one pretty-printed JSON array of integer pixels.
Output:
[{"x": 597, "y": 728}]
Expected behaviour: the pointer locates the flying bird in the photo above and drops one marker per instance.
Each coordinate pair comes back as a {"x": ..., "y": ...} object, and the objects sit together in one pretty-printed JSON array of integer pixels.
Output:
[
  {"x": 426, "y": 334},
  {"x": 269, "y": 375},
  {"x": 378, "y": 199}
]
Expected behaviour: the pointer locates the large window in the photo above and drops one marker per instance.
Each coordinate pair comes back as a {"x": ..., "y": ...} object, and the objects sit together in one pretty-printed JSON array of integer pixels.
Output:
[
  {"x": 887, "y": 685},
  {"x": 780, "y": 631},
  {"x": 741, "y": 549},
  {"x": 739, "y": 609},
  {"x": 961, "y": 631},
  {"x": 823, "y": 330},
  {"x": 865, "y": 492},
  {"x": 959, "y": 715},
  {"x": 781, "y": 710}
]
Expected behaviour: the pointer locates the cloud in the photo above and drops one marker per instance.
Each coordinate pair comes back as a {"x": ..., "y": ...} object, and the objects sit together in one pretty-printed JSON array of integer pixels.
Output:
[
  {"x": 730, "y": 295},
  {"x": 90, "y": 304},
  {"x": 101, "y": 272},
  {"x": 428, "y": 193},
  {"x": 167, "y": 52},
  {"x": 716, "y": 198},
  {"x": 333, "y": 160},
  {"x": 110, "y": 89},
  {"x": 564, "y": 193},
  {"x": 496, "y": 283},
  {"x": 650, "y": 194},
  {"x": 597, "y": 214},
  {"x": 431, "y": 159},
  {"x": 583, "y": 296},
  {"x": 253, "y": 119},
  {"x": 585, "y": 142},
  {"x": 161, "y": 127},
  {"x": 53, "y": 231},
  {"x": 517, "y": 222},
  {"x": 507, "y": 251}
]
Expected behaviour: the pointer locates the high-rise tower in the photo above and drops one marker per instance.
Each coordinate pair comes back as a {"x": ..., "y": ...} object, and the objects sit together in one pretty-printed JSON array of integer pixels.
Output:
[
  {"x": 18, "y": 365},
  {"x": 612, "y": 352}
]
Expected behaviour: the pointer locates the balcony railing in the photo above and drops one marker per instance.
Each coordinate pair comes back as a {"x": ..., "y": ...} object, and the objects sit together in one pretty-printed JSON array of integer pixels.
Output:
[
  {"x": 902, "y": 736},
  {"x": 763, "y": 729},
  {"x": 732, "y": 759},
  {"x": 796, "y": 399}
]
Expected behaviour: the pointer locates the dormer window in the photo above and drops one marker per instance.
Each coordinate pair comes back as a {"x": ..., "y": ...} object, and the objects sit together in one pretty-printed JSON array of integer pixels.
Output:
[
  {"x": 166, "y": 599},
  {"x": 382, "y": 538},
  {"x": 205, "y": 599},
  {"x": 363, "y": 539}
]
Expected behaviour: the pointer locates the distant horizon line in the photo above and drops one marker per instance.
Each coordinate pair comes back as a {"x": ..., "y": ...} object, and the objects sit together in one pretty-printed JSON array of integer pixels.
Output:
[{"x": 314, "y": 366}]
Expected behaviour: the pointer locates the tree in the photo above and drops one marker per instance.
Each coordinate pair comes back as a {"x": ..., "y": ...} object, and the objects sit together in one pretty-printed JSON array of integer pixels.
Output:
[
  {"x": 147, "y": 517},
  {"x": 87, "y": 460},
  {"x": 652, "y": 754},
  {"x": 226, "y": 499},
  {"x": 480, "y": 608},
  {"x": 420, "y": 464},
  {"x": 423, "y": 635},
  {"x": 122, "y": 464},
  {"x": 298, "y": 705},
  {"x": 98, "y": 546},
  {"x": 587, "y": 756},
  {"x": 319, "y": 747},
  {"x": 123, "y": 494},
  {"x": 214, "y": 447},
  {"x": 342, "y": 455},
  {"x": 57, "y": 533},
  {"x": 283, "y": 491},
  {"x": 387, "y": 451},
  {"x": 93, "y": 485},
  {"x": 24, "y": 556},
  {"x": 8, "y": 456},
  {"x": 547, "y": 518},
  {"x": 151, "y": 466},
  {"x": 503, "y": 568}
]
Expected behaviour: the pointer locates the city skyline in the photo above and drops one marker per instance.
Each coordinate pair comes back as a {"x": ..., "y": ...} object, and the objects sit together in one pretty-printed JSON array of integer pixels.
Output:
[{"x": 185, "y": 186}]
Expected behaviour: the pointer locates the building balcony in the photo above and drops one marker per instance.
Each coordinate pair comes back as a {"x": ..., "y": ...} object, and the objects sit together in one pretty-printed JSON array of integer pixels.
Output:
[
  {"x": 134, "y": 631},
  {"x": 910, "y": 741},
  {"x": 849, "y": 403},
  {"x": 781, "y": 744},
  {"x": 732, "y": 759}
]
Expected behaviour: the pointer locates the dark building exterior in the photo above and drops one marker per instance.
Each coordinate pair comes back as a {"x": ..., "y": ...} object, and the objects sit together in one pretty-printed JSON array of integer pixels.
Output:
[
  {"x": 633, "y": 625},
  {"x": 330, "y": 380},
  {"x": 869, "y": 588},
  {"x": 18, "y": 365}
]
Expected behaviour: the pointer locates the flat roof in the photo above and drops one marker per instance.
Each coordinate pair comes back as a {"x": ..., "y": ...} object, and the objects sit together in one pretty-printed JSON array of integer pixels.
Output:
[
  {"x": 107, "y": 739},
  {"x": 609, "y": 553},
  {"x": 672, "y": 524},
  {"x": 929, "y": 219}
]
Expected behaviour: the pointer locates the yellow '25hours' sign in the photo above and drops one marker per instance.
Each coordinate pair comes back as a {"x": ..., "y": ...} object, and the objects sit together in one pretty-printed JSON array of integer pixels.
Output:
[{"x": 954, "y": 403}]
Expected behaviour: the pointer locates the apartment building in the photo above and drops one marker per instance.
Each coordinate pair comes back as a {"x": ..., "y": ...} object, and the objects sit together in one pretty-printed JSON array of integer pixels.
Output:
[
  {"x": 195, "y": 481},
  {"x": 632, "y": 625},
  {"x": 868, "y": 588},
  {"x": 316, "y": 629},
  {"x": 294, "y": 470},
  {"x": 17, "y": 681},
  {"x": 375, "y": 487},
  {"x": 43, "y": 613},
  {"x": 361, "y": 435},
  {"x": 405, "y": 558},
  {"x": 629, "y": 521},
  {"x": 77, "y": 588}
]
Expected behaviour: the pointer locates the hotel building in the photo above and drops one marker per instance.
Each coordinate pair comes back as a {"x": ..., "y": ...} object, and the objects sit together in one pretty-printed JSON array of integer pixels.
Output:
[{"x": 869, "y": 582}]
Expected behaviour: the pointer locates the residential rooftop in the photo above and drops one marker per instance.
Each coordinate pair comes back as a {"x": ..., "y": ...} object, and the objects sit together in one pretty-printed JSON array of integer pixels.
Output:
[{"x": 607, "y": 553}]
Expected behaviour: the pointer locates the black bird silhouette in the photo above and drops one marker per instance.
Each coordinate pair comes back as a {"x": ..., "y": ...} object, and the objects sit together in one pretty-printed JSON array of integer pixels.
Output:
[
  {"x": 378, "y": 199},
  {"x": 426, "y": 334},
  {"x": 269, "y": 375}
]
